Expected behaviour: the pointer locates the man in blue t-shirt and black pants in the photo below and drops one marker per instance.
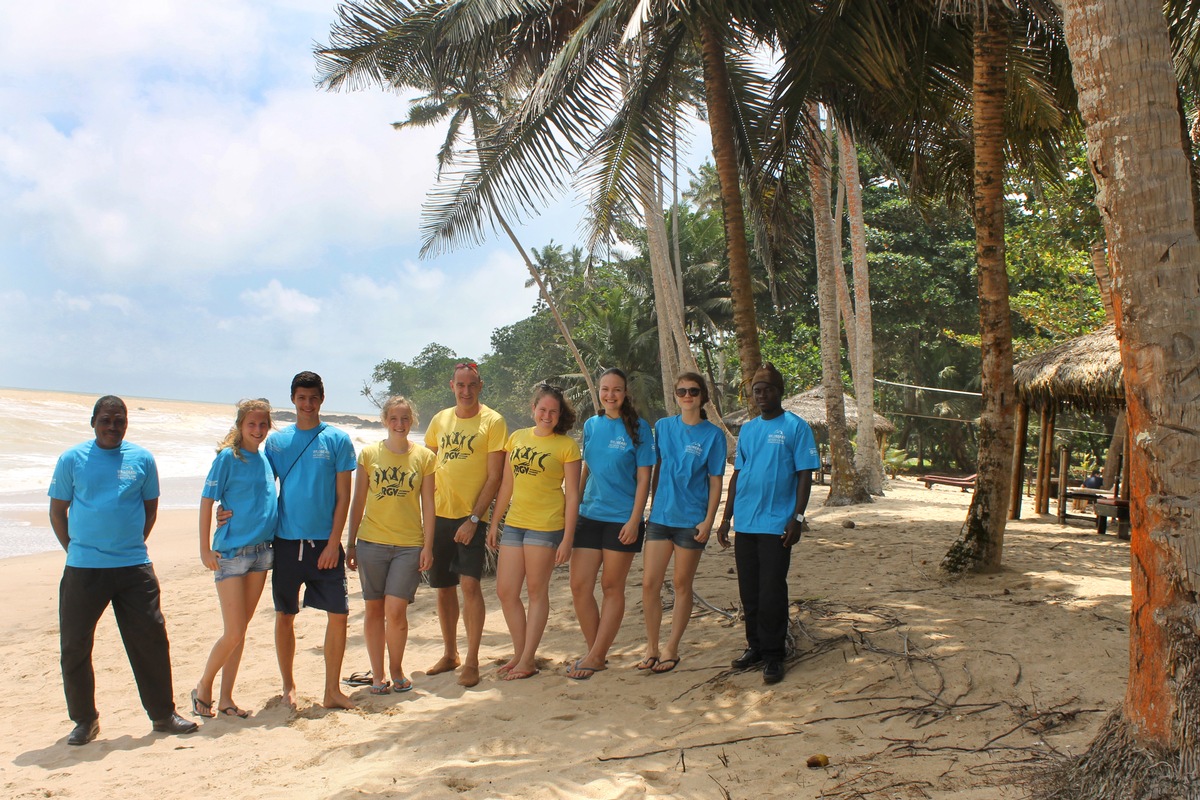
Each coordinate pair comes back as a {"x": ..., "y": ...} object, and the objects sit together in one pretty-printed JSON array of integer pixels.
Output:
[
  {"x": 768, "y": 493},
  {"x": 103, "y": 503}
]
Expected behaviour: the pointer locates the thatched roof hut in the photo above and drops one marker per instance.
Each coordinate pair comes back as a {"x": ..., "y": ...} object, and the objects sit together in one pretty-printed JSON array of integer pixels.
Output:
[
  {"x": 1084, "y": 373},
  {"x": 810, "y": 406}
]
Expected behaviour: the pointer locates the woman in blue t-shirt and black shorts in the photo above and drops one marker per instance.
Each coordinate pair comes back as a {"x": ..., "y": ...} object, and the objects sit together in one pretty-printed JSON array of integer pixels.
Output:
[{"x": 618, "y": 454}]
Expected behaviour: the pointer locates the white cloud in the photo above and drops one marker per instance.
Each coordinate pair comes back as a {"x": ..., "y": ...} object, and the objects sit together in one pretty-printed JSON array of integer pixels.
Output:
[{"x": 276, "y": 302}]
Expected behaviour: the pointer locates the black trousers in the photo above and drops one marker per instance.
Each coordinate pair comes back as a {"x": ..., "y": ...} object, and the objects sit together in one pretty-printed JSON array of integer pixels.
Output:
[
  {"x": 133, "y": 592},
  {"x": 762, "y": 568}
]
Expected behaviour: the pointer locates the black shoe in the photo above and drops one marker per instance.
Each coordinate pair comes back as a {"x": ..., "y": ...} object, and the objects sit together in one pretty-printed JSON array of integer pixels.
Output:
[
  {"x": 84, "y": 732},
  {"x": 750, "y": 658},
  {"x": 773, "y": 671},
  {"x": 175, "y": 724}
]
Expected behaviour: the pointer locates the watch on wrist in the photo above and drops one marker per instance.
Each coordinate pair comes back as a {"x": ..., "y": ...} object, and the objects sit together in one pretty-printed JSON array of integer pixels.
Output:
[
  {"x": 800, "y": 518},
  {"x": 474, "y": 518}
]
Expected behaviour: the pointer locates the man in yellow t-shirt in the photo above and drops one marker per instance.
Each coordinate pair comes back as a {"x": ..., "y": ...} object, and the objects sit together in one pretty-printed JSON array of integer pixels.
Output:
[{"x": 468, "y": 440}]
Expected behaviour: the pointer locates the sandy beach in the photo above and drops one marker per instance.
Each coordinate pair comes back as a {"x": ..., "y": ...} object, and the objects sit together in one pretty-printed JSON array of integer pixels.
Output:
[{"x": 912, "y": 686}]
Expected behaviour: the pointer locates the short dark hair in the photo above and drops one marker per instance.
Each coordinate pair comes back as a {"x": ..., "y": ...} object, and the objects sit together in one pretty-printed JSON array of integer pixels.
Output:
[
  {"x": 108, "y": 400},
  {"x": 308, "y": 380}
]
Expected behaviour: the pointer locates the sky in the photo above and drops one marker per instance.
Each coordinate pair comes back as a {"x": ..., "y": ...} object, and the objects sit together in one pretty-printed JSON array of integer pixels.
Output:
[{"x": 183, "y": 214}]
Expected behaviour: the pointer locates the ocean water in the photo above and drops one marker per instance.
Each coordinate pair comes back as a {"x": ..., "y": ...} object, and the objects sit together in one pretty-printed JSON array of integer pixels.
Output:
[{"x": 38, "y": 426}]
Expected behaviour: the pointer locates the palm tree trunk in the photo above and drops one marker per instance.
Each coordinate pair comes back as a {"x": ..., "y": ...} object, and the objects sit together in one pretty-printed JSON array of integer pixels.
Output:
[
  {"x": 980, "y": 543},
  {"x": 868, "y": 460},
  {"x": 718, "y": 99},
  {"x": 562, "y": 326},
  {"x": 1137, "y": 152},
  {"x": 845, "y": 487}
]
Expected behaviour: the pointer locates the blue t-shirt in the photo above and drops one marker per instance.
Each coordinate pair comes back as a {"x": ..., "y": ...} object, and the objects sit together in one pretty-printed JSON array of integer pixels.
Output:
[
  {"x": 307, "y": 463},
  {"x": 688, "y": 456},
  {"x": 612, "y": 460},
  {"x": 107, "y": 490},
  {"x": 247, "y": 488},
  {"x": 770, "y": 454}
]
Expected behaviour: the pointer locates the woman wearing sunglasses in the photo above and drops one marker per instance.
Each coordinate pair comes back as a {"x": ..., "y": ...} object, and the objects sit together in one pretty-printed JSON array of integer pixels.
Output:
[
  {"x": 539, "y": 501},
  {"x": 687, "y": 489}
]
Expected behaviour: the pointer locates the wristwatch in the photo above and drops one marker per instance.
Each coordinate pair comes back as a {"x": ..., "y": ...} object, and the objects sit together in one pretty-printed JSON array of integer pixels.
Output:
[
  {"x": 800, "y": 518},
  {"x": 474, "y": 518}
]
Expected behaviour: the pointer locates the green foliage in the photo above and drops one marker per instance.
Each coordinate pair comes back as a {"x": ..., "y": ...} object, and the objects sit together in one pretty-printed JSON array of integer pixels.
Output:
[{"x": 425, "y": 381}]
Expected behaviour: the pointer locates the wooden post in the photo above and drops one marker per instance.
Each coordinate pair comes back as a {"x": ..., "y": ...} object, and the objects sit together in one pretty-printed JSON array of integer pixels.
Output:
[
  {"x": 1018, "y": 473},
  {"x": 1050, "y": 420},
  {"x": 1064, "y": 467}
]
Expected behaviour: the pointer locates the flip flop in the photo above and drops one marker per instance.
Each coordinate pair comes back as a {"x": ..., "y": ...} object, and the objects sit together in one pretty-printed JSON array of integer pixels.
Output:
[
  {"x": 359, "y": 679},
  {"x": 504, "y": 670},
  {"x": 381, "y": 688},
  {"x": 587, "y": 672},
  {"x": 234, "y": 711},
  {"x": 520, "y": 674},
  {"x": 664, "y": 666},
  {"x": 201, "y": 708},
  {"x": 402, "y": 685},
  {"x": 649, "y": 662}
]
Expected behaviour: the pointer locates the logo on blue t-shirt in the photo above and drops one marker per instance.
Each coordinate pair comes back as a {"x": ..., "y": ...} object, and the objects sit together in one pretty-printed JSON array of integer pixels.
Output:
[
  {"x": 777, "y": 437},
  {"x": 454, "y": 445},
  {"x": 694, "y": 449},
  {"x": 528, "y": 461},
  {"x": 618, "y": 444}
]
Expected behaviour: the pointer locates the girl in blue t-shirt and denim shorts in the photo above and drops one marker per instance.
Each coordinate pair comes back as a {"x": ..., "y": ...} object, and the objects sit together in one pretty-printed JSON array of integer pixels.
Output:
[
  {"x": 687, "y": 489},
  {"x": 242, "y": 480}
]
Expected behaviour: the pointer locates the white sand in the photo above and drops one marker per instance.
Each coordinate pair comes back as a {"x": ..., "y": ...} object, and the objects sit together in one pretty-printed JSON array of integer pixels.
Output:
[{"x": 904, "y": 682}]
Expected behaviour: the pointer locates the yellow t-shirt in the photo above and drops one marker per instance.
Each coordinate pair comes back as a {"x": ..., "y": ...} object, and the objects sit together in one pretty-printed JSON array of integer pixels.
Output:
[
  {"x": 537, "y": 464},
  {"x": 393, "y": 512},
  {"x": 462, "y": 448}
]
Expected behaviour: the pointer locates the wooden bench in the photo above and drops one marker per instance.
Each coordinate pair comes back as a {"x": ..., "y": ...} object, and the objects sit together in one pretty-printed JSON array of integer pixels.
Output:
[
  {"x": 965, "y": 483},
  {"x": 1112, "y": 507}
]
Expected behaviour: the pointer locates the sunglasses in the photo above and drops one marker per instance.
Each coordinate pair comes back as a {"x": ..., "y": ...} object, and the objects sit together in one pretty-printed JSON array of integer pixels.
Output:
[
  {"x": 546, "y": 387},
  {"x": 687, "y": 391},
  {"x": 471, "y": 365}
]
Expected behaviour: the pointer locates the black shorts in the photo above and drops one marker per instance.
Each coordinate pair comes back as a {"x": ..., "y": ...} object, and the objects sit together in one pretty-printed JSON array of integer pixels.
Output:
[
  {"x": 296, "y": 566},
  {"x": 596, "y": 535},
  {"x": 451, "y": 559}
]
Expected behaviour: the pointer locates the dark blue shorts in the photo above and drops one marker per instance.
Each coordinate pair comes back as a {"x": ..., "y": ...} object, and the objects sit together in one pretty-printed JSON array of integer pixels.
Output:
[
  {"x": 593, "y": 534},
  {"x": 296, "y": 566}
]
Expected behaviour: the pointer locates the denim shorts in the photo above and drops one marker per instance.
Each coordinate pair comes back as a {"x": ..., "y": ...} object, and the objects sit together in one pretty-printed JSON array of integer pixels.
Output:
[
  {"x": 251, "y": 558},
  {"x": 519, "y": 537},
  {"x": 682, "y": 537}
]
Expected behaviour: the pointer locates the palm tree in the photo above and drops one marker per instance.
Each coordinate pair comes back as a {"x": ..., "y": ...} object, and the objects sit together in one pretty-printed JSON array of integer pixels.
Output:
[
  {"x": 1147, "y": 200},
  {"x": 391, "y": 44}
]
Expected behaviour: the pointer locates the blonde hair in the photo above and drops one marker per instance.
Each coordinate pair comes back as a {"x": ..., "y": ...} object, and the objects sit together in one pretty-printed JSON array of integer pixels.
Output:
[
  {"x": 394, "y": 401},
  {"x": 233, "y": 439}
]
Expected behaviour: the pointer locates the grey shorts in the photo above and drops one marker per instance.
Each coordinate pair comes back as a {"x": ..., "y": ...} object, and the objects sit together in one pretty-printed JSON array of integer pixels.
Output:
[{"x": 386, "y": 569}]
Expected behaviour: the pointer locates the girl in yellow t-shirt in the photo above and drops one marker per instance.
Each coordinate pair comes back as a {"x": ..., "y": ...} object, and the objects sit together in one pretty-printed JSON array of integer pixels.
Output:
[
  {"x": 540, "y": 493},
  {"x": 391, "y": 538}
]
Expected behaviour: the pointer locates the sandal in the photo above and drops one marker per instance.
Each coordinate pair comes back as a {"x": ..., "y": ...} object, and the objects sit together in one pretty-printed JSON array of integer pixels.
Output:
[
  {"x": 649, "y": 662},
  {"x": 234, "y": 711},
  {"x": 381, "y": 688},
  {"x": 201, "y": 708},
  {"x": 402, "y": 685},
  {"x": 359, "y": 679}
]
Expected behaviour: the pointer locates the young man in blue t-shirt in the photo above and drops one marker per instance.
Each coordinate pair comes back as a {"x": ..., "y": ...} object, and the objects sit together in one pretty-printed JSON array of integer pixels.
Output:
[
  {"x": 314, "y": 463},
  {"x": 768, "y": 493},
  {"x": 103, "y": 503}
]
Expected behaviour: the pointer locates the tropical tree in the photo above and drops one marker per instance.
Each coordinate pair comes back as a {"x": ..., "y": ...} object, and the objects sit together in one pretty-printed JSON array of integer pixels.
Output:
[
  {"x": 1129, "y": 100},
  {"x": 394, "y": 45}
]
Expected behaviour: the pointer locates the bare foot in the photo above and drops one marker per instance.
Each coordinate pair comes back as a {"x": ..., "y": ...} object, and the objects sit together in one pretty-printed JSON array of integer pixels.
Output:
[
  {"x": 520, "y": 673},
  {"x": 507, "y": 668},
  {"x": 335, "y": 699},
  {"x": 289, "y": 696},
  {"x": 469, "y": 675},
  {"x": 444, "y": 664}
]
